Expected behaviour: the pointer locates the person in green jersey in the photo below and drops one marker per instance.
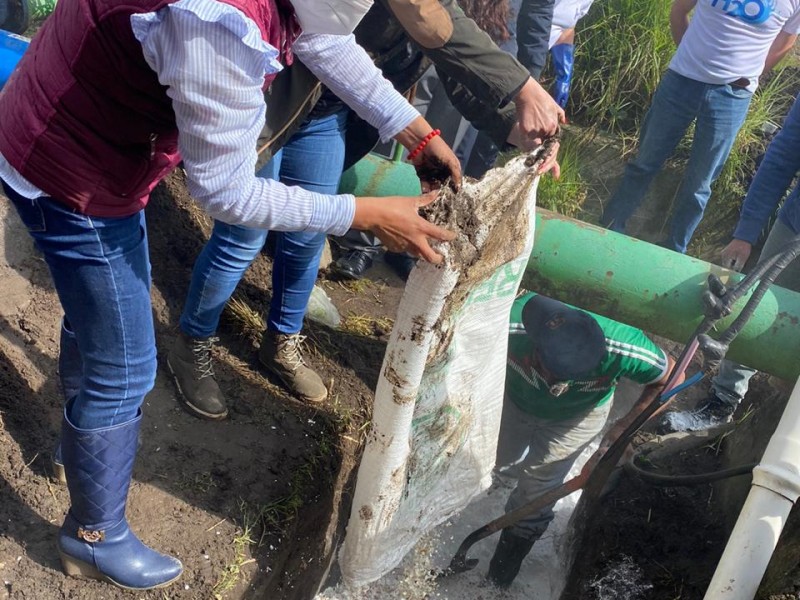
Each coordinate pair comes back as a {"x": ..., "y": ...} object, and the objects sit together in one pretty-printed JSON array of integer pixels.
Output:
[{"x": 563, "y": 367}]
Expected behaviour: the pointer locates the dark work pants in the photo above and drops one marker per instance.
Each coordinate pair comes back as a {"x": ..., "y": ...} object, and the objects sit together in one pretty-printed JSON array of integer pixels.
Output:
[{"x": 533, "y": 34}]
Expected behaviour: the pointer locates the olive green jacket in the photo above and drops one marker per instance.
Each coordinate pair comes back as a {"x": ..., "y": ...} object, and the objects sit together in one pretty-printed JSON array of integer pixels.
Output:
[{"x": 404, "y": 37}]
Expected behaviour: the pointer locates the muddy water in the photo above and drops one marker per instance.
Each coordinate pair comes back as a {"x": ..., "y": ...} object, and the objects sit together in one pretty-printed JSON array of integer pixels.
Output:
[{"x": 539, "y": 579}]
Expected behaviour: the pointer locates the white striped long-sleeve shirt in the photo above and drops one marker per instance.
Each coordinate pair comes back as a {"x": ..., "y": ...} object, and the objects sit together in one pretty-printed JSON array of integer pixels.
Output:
[{"x": 213, "y": 61}]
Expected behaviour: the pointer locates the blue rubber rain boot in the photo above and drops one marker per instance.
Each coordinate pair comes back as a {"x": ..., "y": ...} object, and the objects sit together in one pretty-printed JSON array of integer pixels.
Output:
[
  {"x": 95, "y": 540},
  {"x": 70, "y": 371}
]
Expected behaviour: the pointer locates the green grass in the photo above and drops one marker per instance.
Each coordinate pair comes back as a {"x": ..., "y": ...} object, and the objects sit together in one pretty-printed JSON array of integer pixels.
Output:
[
  {"x": 566, "y": 194},
  {"x": 623, "y": 47},
  {"x": 229, "y": 577},
  {"x": 366, "y": 325}
]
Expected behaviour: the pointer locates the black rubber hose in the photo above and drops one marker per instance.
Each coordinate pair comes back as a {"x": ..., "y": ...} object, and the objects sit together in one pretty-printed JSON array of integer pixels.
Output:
[
  {"x": 758, "y": 272},
  {"x": 660, "y": 480},
  {"x": 766, "y": 271},
  {"x": 781, "y": 260}
]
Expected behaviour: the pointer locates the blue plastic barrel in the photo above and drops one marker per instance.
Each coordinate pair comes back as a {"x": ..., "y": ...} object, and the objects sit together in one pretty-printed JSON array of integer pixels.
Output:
[{"x": 12, "y": 47}]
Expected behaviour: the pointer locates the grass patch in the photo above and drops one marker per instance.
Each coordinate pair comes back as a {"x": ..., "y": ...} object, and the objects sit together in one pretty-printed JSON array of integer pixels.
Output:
[
  {"x": 365, "y": 325},
  {"x": 567, "y": 194},
  {"x": 352, "y": 422},
  {"x": 241, "y": 542},
  {"x": 247, "y": 321},
  {"x": 355, "y": 286},
  {"x": 623, "y": 48},
  {"x": 199, "y": 483}
]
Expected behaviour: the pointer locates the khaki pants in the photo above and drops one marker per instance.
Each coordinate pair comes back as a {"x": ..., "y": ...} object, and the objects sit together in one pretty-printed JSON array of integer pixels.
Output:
[{"x": 540, "y": 454}]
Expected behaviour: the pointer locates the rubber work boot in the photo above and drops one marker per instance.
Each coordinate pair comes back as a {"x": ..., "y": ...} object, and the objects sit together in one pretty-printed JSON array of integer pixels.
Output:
[
  {"x": 508, "y": 556},
  {"x": 70, "y": 371},
  {"x": 191, "y": 366},
  {"x": 280, "y": 353},
  {"x": 95, "y": 540}
]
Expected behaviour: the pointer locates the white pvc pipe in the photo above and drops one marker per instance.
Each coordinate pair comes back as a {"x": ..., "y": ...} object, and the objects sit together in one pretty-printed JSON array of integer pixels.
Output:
[{"x": 775, "y": 488}]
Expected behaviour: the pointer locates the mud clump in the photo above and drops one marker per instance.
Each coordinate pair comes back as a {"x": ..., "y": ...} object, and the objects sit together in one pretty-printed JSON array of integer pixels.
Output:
[
  {"x": 491, "y": 222},
  {"x": 434, "y": 171}
]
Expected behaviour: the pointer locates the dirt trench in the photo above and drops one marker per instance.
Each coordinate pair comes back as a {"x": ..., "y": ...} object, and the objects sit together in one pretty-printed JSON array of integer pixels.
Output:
[{"x": 253, "y": 505}]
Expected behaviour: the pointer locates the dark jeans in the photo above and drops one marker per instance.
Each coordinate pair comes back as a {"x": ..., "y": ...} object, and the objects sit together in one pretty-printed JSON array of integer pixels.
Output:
[{"x": 533, "y": 34}]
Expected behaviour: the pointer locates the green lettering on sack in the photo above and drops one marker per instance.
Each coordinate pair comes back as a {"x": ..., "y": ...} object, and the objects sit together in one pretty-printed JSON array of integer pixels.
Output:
[{"x": 502, "y": 283}]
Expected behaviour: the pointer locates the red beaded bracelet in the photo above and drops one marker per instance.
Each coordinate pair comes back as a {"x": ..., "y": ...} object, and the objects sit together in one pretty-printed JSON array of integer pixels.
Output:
[{"x": 413, "y": 154}]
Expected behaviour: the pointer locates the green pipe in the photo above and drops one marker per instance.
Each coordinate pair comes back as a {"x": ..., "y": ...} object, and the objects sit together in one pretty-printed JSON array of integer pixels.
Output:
[
  {"x": 623, "y": 278},
  {"x": 375, "y": 175},
  {"x": 656, "y": 290}
]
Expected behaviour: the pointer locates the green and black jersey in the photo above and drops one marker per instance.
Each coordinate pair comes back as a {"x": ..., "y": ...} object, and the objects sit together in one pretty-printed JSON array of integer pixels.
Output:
[{"x": 630, "y": 354}]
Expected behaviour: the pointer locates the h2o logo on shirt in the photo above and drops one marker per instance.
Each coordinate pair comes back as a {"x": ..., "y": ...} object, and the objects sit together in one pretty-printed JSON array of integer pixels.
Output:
[{"x": 754, "y": 12}]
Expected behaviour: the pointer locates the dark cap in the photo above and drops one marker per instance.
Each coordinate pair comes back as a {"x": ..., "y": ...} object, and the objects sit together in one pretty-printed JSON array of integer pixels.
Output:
[{"x": 569, "y": 342}]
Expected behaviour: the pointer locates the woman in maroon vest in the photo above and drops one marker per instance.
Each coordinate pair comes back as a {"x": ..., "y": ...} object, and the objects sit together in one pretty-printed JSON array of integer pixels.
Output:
[{"x": 109, "y": 98}]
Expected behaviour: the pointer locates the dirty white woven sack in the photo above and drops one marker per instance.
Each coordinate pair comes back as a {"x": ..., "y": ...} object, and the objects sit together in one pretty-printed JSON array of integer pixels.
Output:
[{"x": 438, "y": 401}]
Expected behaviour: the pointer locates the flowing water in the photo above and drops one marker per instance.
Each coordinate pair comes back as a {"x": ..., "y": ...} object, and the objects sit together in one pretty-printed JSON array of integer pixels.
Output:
[
  {"x": 624, "y": 580},
  {"x": 543, "y": 573}
]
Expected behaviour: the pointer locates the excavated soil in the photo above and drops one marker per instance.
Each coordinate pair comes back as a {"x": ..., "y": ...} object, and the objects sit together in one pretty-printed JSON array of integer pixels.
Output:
[{"x": 670, "y": 538}]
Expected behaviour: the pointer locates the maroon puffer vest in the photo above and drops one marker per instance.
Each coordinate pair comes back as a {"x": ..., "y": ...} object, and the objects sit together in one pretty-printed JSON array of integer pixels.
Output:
[{"x": 85, "y": 119}]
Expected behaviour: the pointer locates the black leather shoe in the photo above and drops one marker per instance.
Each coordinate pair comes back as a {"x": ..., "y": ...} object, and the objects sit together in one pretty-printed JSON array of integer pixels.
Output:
[
  {"x": 400, "y": 263},
  {"x": 508, "y": 556},
  {"x": 352, "y": 265}
]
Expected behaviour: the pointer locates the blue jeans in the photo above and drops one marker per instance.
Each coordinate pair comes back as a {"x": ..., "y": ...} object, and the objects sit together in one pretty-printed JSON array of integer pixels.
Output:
[
  {"x": 312, "y": 159},
  {"x": 101, "y": 271},
  {"x": 720, "y": 111}
]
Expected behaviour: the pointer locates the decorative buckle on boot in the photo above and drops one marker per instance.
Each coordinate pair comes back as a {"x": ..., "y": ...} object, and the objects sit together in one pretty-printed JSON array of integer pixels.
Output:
[{"x": 91, "y": 536}]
